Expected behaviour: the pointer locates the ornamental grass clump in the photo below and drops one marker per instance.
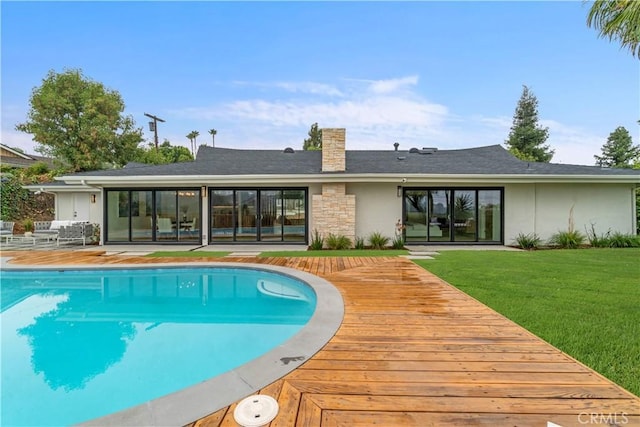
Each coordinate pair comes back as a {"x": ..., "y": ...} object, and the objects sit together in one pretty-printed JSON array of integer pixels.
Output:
[
  {"x": 378, "y": 241},
  {"x": 317, "y": 241},
  {"x": 337, "y": 242},
  {"x": 397, "y": 242},
  {"x": 529, "y": 241},
  {"x": 620, "y": 240},
  {"x": 567, "y": 239},
  {"x": 359, "y": 243},
  {"x": 598, "y": 241}
]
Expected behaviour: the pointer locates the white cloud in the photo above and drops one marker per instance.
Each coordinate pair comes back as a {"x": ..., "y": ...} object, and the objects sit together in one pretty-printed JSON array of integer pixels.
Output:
[
  {"x": 573, "y": 145},
  {"x": 296, "y": 87},
  {"x": 392, "y": 85}
]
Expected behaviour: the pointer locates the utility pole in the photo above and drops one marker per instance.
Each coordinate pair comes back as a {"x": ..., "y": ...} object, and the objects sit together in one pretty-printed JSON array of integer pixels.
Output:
[{"x": 153, "y": 127}]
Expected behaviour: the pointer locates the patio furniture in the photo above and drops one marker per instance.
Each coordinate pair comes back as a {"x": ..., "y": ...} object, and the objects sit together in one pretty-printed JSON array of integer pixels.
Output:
[
  {"x": 50, "y": 229},
  {"x": 79, "y": 231},
  {"x": 20, "y": 239},
  {"x": 6, "y": 228}
]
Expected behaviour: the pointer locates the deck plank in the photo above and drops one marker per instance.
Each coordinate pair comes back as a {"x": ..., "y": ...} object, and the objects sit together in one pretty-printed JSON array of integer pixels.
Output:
[{"x": 413, "y": 351}]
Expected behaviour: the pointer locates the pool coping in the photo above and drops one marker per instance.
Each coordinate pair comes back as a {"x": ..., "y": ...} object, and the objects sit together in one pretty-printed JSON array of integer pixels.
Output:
[{"x": 184, "y": 406}]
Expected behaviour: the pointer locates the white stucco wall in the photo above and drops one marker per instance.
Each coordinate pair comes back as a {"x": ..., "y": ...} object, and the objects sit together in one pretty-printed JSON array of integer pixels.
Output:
[
  {"x": 545, "y": 209},
  {"x": 378, "y": 208}
]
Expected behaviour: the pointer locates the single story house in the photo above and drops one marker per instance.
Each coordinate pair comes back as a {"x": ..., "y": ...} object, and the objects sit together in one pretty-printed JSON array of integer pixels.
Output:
[{"x": 478, "y": 195}]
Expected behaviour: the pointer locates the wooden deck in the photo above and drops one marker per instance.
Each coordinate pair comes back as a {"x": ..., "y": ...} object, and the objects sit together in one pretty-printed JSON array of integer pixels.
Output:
[{"x": 414, "y": 351}]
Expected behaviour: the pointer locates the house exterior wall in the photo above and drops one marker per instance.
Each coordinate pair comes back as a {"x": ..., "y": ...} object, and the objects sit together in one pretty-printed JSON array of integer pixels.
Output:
[
  {"x": 378, "y": 208},
  {"x": 545, "y": 209},
  {"x": 334, "y": 211}
]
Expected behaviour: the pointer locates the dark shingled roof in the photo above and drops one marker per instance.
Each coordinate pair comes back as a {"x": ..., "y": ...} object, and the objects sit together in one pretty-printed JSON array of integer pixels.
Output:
[{"x": 489, "y": 160}]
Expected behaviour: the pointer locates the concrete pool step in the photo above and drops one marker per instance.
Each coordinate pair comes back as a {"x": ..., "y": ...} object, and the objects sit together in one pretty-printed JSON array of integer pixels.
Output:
[
  {"x": 420, "y": 254},
  {"x": 243, "y": 254}
]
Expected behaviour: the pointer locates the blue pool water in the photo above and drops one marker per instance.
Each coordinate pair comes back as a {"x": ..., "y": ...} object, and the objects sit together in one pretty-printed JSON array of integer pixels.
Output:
[{"x": 77, "y": 345}]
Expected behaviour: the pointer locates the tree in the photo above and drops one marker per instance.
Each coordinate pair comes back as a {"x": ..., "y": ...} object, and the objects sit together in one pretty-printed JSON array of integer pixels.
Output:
[
  {"x": 166, "y": 153},
  {"x": 617, "y": 19},
  {"x": 80, "y": 122},
  {"x": 637, "y": 166},
  {"x": 314, "y": 142},
  {"x": 618, "y": 151},
  {"x": 192, "y": 138},
  {"x": 213, "y": 133},
  {"x": 527, "y": 138}
]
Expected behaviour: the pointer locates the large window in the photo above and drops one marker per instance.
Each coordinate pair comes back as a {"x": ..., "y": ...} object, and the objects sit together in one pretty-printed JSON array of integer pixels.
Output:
[
  {"x": 452, "y": 215},
  {"x": 167, "y": 215},
  {"x": 258, "y": 215}
]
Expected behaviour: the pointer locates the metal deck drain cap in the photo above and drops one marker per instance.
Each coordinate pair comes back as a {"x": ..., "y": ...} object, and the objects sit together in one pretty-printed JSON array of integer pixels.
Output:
[{"x": 256, "y": 410}]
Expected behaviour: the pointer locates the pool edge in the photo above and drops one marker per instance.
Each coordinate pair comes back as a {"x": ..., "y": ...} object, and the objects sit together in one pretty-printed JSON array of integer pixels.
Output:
[{"x": 195, "y": 402}]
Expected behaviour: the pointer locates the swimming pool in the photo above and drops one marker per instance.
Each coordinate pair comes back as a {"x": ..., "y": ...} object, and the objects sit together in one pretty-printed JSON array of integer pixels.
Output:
[{"x": 115, "y": 339}]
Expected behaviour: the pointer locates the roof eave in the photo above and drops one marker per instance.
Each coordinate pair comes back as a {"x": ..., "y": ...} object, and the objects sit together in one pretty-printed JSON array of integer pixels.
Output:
[{"x": 406, "y": 179}]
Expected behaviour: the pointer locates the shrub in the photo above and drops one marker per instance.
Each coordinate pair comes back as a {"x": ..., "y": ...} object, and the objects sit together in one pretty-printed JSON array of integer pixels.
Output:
[
  {"x": 338, "y": 242},
  {"x": 398, "y": 242},
  {"x": 38, "y": 168},
  {"x": 359, "y": 243},
  {"x": 378, "y": 241},
  {"x": 528, "y": 241},
  {"x": 567, "y": 239},
  {"x": 619, "y": 240},
  {"x": 317, "y": 241},
  {"x": 28, "y": 225},
  {"x": 596, "y": 241}
]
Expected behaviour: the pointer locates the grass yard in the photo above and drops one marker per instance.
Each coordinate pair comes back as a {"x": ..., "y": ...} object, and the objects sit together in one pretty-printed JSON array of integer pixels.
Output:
[
  {"x": 585, "y": 302},
  {"x": 327, "y": 253}
]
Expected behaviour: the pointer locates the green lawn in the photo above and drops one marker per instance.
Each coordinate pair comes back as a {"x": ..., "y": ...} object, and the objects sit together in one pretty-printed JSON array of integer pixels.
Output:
[
  {"x": 585, "y": 302},
  {"x": 348, "y": 252}
]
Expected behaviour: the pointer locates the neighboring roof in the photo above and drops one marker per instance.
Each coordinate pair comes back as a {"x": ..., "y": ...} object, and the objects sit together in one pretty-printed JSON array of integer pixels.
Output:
[
  {"x": 5, "y": 150},
  {"x": 491, "y": 160},
  {"x": 12, "y": 157}
]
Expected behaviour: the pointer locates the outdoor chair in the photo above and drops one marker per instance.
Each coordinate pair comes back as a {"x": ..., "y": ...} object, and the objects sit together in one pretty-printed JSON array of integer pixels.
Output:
[
  {"x": 6, "y": 228},
  {"x": 82, "y": 232},
  {"x": 49, "y": 229}
]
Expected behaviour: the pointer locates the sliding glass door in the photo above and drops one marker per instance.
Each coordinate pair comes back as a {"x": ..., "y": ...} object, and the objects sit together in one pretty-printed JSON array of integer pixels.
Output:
[
  {"x": 434, "y": 215},
  {"x": 258, "y": 215},
  {"x": 149, "y": 215}
]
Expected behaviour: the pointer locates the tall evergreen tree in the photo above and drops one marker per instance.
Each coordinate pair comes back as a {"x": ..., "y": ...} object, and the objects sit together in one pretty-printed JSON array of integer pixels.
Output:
[
  {"x": 619, "y": 151},
  {"x": 527, "y": 137},
  {"x": 314, "y": 142}
]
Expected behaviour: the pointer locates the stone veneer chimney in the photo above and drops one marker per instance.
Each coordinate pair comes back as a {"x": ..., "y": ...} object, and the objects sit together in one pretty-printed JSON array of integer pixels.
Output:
[
  {"x": 334, "y": 211},
  {"x": 333, "y": 157}
]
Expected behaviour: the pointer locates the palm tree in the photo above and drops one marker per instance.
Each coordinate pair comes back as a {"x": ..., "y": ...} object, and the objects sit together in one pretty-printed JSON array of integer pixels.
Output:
[
  {"x": 213, "y": 132},
  {"x": 195, "y": 134},
  {"x": 192, "y": 137},
  {"x": 617, "y": 19}
]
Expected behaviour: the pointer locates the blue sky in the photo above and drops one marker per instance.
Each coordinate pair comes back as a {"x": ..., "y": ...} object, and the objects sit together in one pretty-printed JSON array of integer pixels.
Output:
[{"x": 437, "y": 74}]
